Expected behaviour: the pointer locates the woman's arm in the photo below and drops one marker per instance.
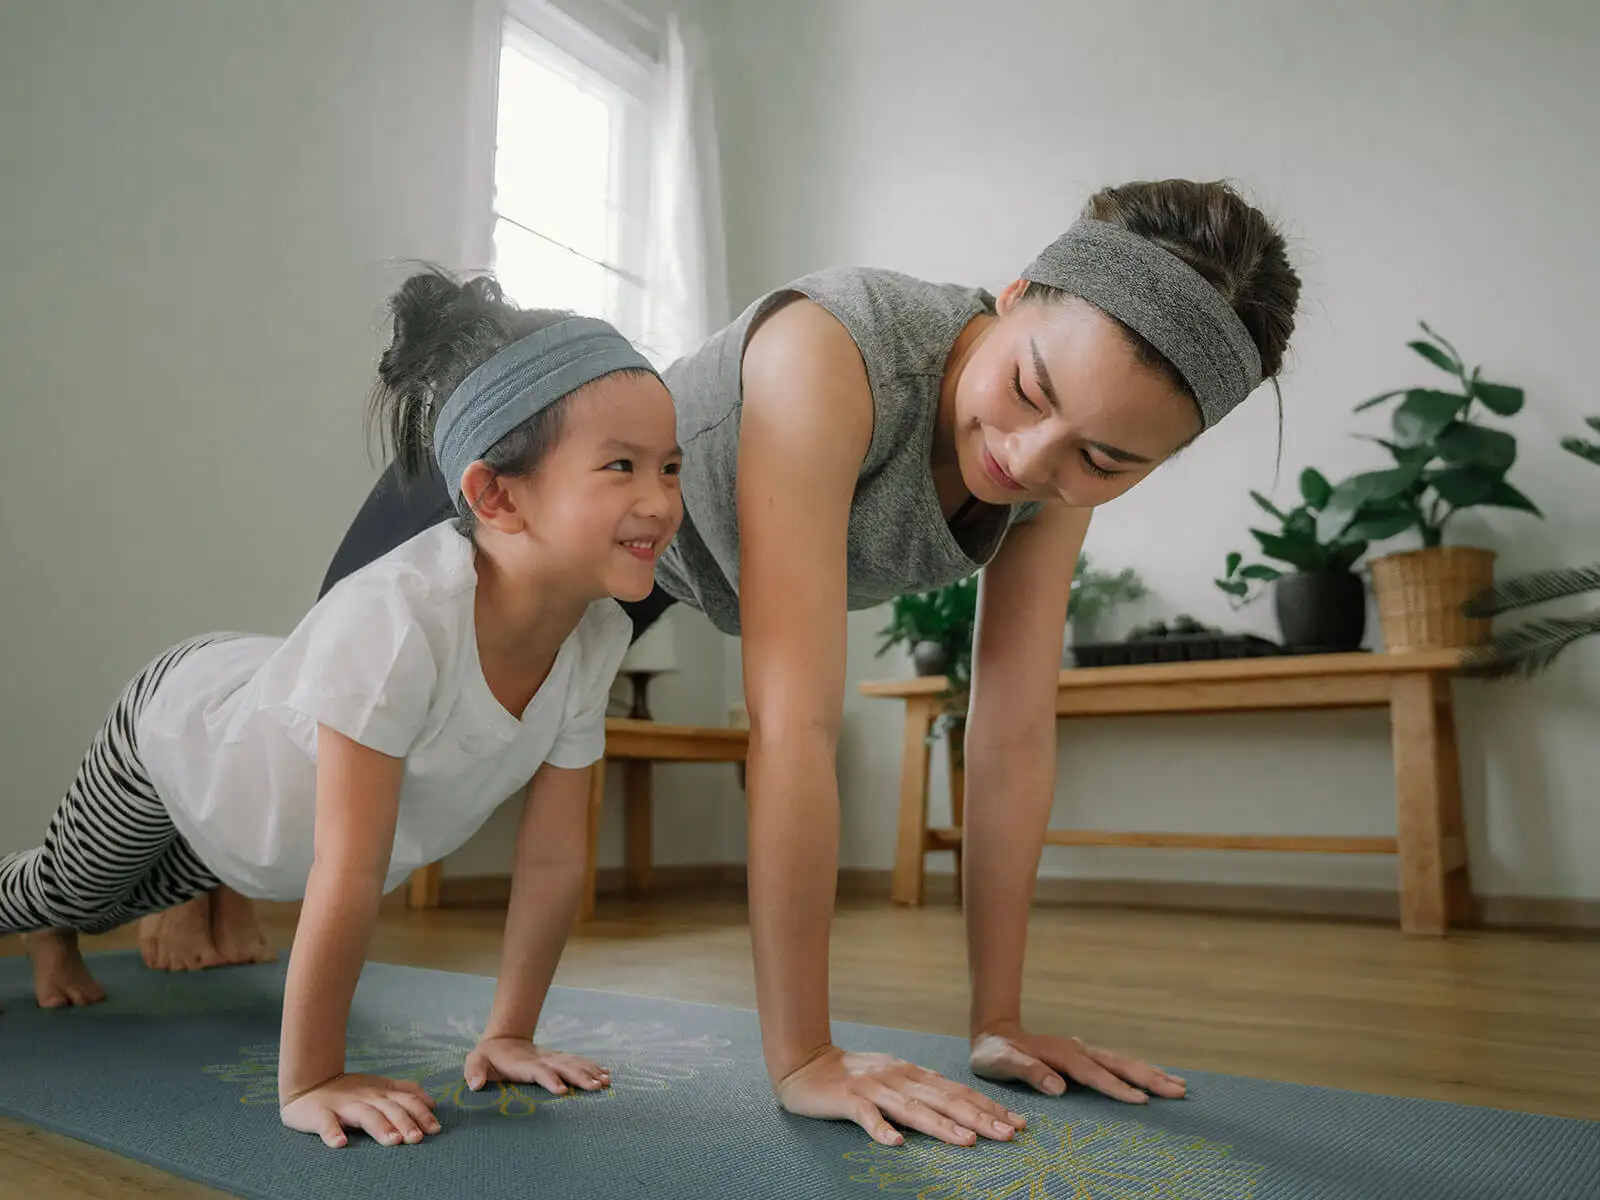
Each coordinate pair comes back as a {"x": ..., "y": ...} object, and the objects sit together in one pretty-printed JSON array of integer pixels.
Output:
[
  {"x": 807, "y": 422},
  {"x": 1010, "y": 755}
]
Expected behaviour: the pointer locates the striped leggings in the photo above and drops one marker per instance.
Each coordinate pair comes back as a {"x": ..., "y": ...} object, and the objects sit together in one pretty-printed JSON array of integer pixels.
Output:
[{"x": 111, "y": 853}]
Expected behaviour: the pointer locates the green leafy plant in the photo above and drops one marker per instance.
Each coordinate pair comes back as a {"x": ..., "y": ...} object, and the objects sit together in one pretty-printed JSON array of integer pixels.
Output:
[
  {"x": 1530, "y": 648},
  {"x": 1445, "y": 459},
  {"x": 1584, "y": 449},
  {"x": 1297, "y": 543},
  {"x": 944, "y": 616},
  {"x": 1096, "y": 592}
]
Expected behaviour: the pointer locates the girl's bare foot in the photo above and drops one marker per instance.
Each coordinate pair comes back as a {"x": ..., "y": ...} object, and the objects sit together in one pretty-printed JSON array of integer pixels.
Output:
[
  {"x": 234, "y": 931},
  {"x": 180, "y": 938},
  {"x": 60, "y": 978}
]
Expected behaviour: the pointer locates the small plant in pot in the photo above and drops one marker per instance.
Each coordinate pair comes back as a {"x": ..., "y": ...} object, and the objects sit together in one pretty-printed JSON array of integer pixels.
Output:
[
  {"x": 1095, "y": 593},
  {"x": 1445, "y": 460},
  {"x": 936, "y": 627},
  {"x": 1321, "y": 602}
]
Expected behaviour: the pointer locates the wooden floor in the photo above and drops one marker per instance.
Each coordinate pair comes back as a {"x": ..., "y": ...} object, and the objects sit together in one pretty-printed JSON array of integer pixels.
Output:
[{"x": 1503, "y": 1019}]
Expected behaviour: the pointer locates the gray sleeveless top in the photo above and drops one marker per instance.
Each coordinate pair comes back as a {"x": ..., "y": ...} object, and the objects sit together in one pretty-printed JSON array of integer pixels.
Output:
[{"x": 898, "y": 539}]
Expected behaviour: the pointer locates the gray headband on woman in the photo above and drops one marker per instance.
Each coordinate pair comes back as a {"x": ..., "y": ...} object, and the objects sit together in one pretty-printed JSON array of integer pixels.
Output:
[
  {"x": 1165, "y": 301},
  {"x": 526, "y": 377}
]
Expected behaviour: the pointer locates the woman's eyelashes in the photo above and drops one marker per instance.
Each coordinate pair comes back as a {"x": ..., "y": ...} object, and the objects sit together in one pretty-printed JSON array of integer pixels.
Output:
[
  {"x": 1022, "y": 396},
  {"x": 1093, "y": 467}
]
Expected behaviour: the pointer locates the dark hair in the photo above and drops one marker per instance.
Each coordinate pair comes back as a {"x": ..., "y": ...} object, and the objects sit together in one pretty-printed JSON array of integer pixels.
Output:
[
  {"x": 444, "y": 328},
  {"x": 1227, "y": 241}
]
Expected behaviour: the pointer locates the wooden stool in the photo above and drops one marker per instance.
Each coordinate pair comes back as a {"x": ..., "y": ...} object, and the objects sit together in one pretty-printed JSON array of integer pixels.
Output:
[
  {"x": 637, "y": 744},
  {"x": 1435, "y": 885}
]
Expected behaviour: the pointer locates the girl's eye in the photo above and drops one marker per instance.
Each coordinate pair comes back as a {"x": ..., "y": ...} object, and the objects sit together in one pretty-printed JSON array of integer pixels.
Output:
[
  {"x": 621, "y": 464},
  {"x": 1093, "y": 467},
  {"x": 672, "y": 469},
  {"x": 1022, "y": 397}
]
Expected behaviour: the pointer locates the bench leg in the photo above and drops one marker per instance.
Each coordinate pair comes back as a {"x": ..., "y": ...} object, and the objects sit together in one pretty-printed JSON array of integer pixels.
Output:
[
  {"x": 597, "y": 797},
  {"x": 912, "y": 840},
  {"x": 424, "y": 887},
  {"x": 958, "y": 793},
  {"x": 638, "y": 849},
  {"x": 1420, "y": 789},
  {"x": 1460, "y": 908}
]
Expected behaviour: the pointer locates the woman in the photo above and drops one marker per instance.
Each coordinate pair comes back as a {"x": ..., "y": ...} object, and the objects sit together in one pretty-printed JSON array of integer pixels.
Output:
[{"x": 858, "y": 434}]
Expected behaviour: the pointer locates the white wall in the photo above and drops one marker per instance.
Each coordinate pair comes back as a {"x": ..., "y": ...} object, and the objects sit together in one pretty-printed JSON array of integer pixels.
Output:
[
  {"x": 202, "y": 209},
  {"x": 1433, "y": 160}
]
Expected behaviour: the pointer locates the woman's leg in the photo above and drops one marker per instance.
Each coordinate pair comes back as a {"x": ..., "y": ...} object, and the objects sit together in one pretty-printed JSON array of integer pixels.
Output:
[
  {"x": 394, "y": 512},
  {"x": 110, "y": 854},
  {"x": 645, "y": 613}
]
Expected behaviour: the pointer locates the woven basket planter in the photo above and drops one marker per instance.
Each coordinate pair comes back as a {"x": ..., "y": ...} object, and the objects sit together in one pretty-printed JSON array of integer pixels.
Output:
[{"x": 1420, "y": 594}]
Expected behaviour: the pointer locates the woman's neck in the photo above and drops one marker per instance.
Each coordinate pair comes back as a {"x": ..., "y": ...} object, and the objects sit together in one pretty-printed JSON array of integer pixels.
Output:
[{"x": 946, "y": 465}]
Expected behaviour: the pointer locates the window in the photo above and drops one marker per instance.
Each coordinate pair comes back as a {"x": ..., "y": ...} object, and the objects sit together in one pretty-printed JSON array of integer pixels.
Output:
[{"x": 571, "y": 169}]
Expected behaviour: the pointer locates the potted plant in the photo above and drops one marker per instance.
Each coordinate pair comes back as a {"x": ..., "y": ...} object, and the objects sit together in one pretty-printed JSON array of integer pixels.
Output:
[
  {"x": 1445, "y": 460},
  {"x": 1321, "y": 603},
  {"x": 1530, "y": 648},
  {"x": 1095, "y": 593},
  {"x": 936, "y": 627}
]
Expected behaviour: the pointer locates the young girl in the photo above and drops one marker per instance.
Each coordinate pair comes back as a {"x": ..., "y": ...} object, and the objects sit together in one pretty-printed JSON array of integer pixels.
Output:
[
  {"x": 473, "y": 661},
  {"x": 859, "y": 433}
]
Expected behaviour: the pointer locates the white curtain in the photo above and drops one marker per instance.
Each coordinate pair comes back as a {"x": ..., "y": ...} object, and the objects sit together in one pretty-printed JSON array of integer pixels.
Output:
[
  {"x": 687, "y": 296},
  {"x": 687, "y": 300}
]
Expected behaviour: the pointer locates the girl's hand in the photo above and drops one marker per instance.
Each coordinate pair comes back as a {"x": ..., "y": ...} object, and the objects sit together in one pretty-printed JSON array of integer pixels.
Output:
[
  {"x": 391, "y": 1110},
  {"x": 518, "y": 1060},
  {"x": 1010, "y": 1052},
  {"x": 866, "y": 1088}
]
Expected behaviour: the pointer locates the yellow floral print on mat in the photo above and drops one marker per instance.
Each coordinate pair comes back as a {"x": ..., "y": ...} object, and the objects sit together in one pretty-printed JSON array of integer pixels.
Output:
[
  {"x": 1056, "y": 1159},
  {"x": 641, "y": 1056}
]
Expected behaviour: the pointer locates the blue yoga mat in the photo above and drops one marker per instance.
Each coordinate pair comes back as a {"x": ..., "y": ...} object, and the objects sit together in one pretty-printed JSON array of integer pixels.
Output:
[{"x": 181, "y": 1071}]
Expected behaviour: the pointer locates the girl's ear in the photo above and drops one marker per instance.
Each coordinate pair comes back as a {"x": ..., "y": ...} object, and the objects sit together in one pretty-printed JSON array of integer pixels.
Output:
[{"x": 491, "y": 502}]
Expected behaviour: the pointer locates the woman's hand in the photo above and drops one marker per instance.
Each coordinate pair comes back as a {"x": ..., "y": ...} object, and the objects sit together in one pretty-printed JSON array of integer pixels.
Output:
[
  {"x": 867, "y": 1088},
  {"x": 391, "y": 1110},
  {"x": 1011, "y": 1052},
  {"x": 517, "y": 1060}
]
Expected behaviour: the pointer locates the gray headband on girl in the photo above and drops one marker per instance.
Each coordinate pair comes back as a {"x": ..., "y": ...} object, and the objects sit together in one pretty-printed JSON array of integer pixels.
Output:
[
  {"x": 1165, "y": 301},
  {"x": 527, "y": 376}
]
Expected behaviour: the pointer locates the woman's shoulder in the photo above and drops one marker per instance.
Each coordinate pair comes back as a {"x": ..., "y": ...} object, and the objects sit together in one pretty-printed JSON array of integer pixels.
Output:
[{"x": 897, "y": 323}]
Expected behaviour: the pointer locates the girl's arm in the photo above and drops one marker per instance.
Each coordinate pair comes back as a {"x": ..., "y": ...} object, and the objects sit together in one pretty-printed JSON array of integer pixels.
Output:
[
  {"x": 1010, "y": 755},
  {"x": 358, "y": 798},
  {"x": 546, "y": 890},
  {"x": 806, "y": 424}
]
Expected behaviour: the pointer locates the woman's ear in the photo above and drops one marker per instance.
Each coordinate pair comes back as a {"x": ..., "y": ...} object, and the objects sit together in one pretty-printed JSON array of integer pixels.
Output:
[
  {"x": 1011, "y": 297},
  {"x": 491, "y": 502}
]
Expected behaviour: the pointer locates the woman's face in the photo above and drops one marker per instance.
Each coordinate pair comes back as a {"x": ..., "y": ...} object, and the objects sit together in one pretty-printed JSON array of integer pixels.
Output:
[{"x": 1054, "y": 404}]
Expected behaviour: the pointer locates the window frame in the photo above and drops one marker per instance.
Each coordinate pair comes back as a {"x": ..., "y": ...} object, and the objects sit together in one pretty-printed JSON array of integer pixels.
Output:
[{"x": 624, "y": 69}]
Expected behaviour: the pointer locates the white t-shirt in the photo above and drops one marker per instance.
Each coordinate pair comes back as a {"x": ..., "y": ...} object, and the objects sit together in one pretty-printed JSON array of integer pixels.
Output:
[{"x": 389, "y": 658}]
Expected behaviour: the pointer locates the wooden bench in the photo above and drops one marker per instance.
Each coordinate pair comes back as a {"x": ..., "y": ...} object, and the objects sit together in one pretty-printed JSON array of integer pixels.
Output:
[
  {"x": 636, "y": 744},
  {"x": 1431, "y": 841}
]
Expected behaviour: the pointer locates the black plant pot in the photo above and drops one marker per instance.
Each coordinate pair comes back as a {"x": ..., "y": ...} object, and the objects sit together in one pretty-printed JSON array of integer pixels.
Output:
[
  {"x": 1321, "y": 610},
  {"x": 930, "y": 658}
]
